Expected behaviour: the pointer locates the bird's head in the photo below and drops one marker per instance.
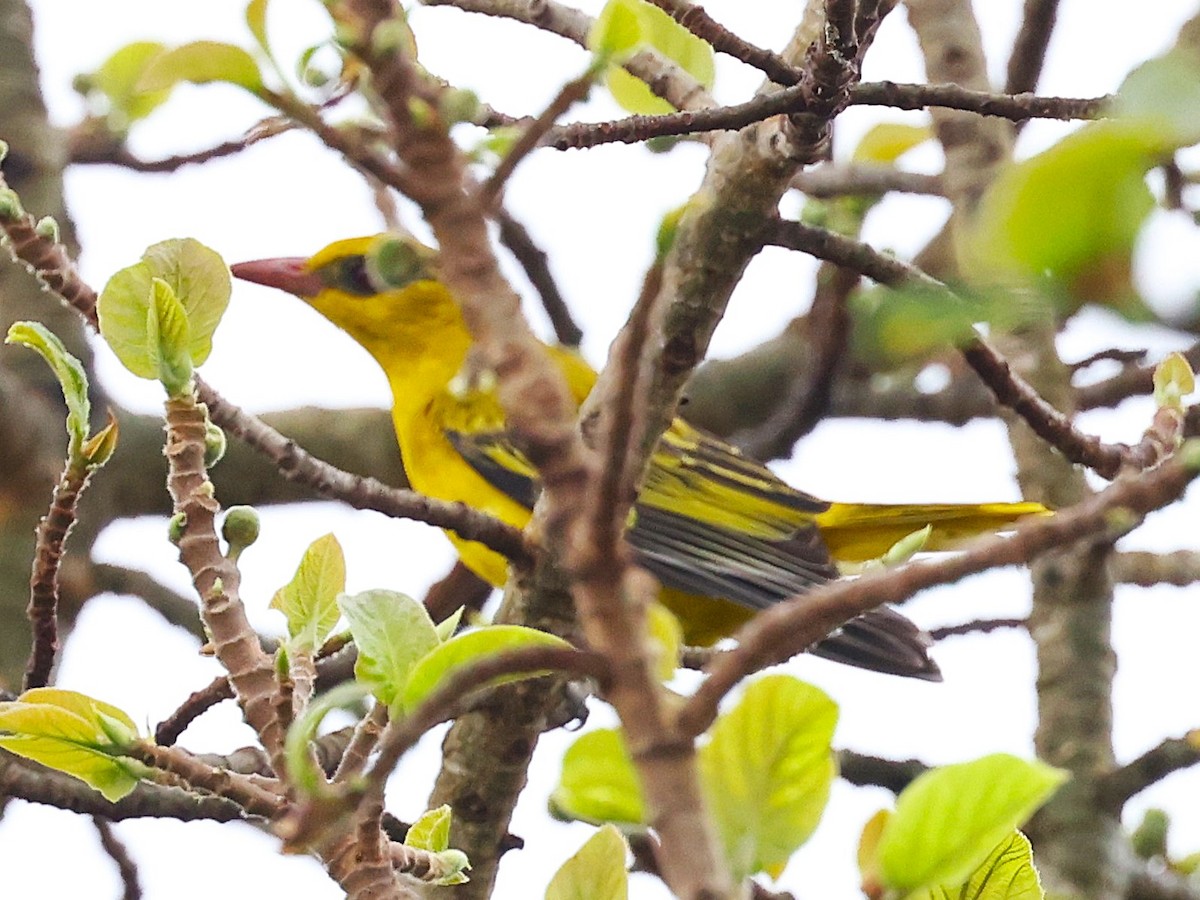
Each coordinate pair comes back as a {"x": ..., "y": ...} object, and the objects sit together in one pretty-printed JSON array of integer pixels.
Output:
[{"x": 382, "y": 290}]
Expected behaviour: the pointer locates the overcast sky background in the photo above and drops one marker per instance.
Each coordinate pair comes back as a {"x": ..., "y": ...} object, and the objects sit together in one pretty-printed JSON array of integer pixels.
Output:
[{"x": 595, "y": 212}]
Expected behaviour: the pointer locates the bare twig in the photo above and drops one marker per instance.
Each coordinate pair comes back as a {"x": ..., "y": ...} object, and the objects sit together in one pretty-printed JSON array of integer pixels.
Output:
[
  {"x": 534, "y": 261},
  {"x": 126, "y": 868},
  {"x": 975, "y": 626},
  {"x": 1153, "y": 766},
  {"x": 862, "y": 770}
]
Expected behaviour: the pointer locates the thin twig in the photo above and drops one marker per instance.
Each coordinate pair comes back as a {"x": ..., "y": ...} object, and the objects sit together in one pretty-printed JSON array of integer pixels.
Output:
[
  {"x": 975, "y": 626},
  {"x": 534, "y": 261},
  {"x": 1181, "y": 568},
  {"x": 127, "y": 869},
  {"x": 1172, "y": 755},
  {"x": 863, "y": 770},
  {"x": 1029, "y": 49}
]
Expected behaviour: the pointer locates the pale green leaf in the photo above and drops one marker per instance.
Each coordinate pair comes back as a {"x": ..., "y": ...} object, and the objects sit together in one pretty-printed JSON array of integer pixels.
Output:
[
  {"x": 767, "y": 771},
  {"x": 617, "y": 31},
  {"x": 118, "y": 80},
  {"x": 462, "y": 650},
  {"x": 595, "y": 872},
  {"x": 1006, "y": 874},
  {"x": 310, "y": 599},
  {"x": 392, "y": 631},
  {"x": 256, "y": 20},
  {"x": 665, "y": 631},
  {"x": 950, "y": 818},
  {"x": 888, "y": 141},
  {"x": 201, "y": 281},
  {"x": 598, "y": 782},
  {"x": 71, "y": 733},
  {"x": 1173, "y": 380},
  {"x": 431, "y": 831},
  {"x": 167, "y": 336},
  {"x": 123, "y": 308},
  {"x": 301, "y": 767},
  {"x": 69, "y": 372},
  {"x": 202, "y": 62},
  {"x": 1162, "y": 96},
  {"x": 449, "y": 625}
]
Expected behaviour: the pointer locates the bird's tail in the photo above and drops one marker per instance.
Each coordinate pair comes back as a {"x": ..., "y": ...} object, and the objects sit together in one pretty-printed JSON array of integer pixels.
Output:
[
  {"x": 855, "y": 532},
  {"x": 882, "y": 640}
]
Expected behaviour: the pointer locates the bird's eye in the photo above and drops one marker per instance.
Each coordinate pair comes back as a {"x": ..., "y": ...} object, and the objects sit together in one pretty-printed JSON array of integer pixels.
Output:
[{"x": 350, "y": 274}]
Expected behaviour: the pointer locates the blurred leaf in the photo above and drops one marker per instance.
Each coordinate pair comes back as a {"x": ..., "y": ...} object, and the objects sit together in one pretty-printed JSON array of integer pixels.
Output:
[
  {"x": 617, "y": 31},
  {"x": 392, "y": 631},
  {"x": 1162, "y": 96},
  {"x": 69, "y": 372},
  {"x": 1070, "y": 214},
  {"x": 659, "y": 31},
  {"x": 256, "y": 21},
  {"x": 950, "y": 818},
  {"x": 1173, "y": 380},
  {"x": 309, "y": 600},
  {"x": 431, "y": 831},
  {"x": 74, "y": 734},
  {"x": 767, "y": 771},
  {"x": 667, "y": 634},
  {"x": 202, "y": 62},
  {"x": 1006, "y": 874},
  {"x": 595, "y": 872},
  {"x": 888, "y": 141},
  {"x": 598, "y": 783},
  {"x": 118, "y": 77},
  {"x": 892, "y": 326},
  {"x": 438, "y": 664},
  {"x": 868, "y": 849}
]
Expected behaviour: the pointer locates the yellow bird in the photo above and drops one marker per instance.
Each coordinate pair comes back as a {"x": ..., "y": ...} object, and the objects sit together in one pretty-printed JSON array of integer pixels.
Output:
[{"x": 724, "y": 535}]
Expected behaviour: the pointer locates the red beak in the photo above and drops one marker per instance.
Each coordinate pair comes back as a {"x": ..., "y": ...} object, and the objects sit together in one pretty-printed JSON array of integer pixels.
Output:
[{"x": 289, "y": 274}]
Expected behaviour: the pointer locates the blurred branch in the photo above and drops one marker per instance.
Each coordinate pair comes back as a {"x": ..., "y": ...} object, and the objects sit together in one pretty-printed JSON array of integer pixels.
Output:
[
  {"x": 1180, "y": 568},
  {"x": 1172, "y": 755},
  {"x": 117, "y": 852},
  {"x": 534, "y": 261},
  {"x": 1029, "y": 49},
  {"x": 863, "y": 770}
]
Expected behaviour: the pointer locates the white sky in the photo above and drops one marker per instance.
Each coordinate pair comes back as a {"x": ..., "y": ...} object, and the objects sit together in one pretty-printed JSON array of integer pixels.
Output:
[{"x": 595, "y": 212}]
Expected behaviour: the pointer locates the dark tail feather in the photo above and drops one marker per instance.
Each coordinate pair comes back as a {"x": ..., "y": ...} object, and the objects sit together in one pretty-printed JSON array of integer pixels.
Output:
[{"x": 882, "y": 641}]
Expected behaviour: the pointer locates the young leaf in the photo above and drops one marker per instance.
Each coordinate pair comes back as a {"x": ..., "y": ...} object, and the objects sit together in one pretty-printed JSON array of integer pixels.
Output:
[
  {"x": 767, "y": 771},
  {"x": 446, "y": 628},
  {"x": 117, "y": 79},
  {"x": 598, "y": 782},
  {"x": 202, "y": 62},
  {"x": 886, "y": 142},
  {"x": 655, "y": 29},
  {"x": 1163, "y": 96},
  {"x": 1006, "y": 874},
  {"x": 167, "y": 338},
  {"x": 256, "y": 21},
  {"x": 201, "y": 281},
  {"x": 431, "y": 831},
  {"x": 69, "y": 372},
  {"x": 1173, "y": 380},
  {"x": 617, "y": 31},
  {"x": 949, "y": 819},
  {"x": 74, "y": 734},
  {"x": 302, "y": 769},
  {"x": 392, "y": 631},
  {"x": 309, "y": 600},
  {"x": 434, "y": 667},
  {"x": 595, "y": 872}
]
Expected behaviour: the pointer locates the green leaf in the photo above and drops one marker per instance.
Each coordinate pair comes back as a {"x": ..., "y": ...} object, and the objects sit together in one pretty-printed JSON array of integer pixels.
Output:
[
  {"x": 463, "y": 650},
  {"x": 256, "y": 21},
  {"x": 617, "y": 31},
  {"x": 99, "y": 448},
  {"x": 949, "y": 819},
  {"x": 74, "y": 734},
  {"x": 659, "y": 31},
  {"x": 1162, "y": 96},
  {"x": 446, "y": 628},
  {"x": 167, "y": 337},
  {"x": 302, "y": 768},
  {"x": 1071, "y": 215},
  {"x": 1173, "y": 380},
  {"x": 598, "y": 782},
  {"x": 665, "y": 631},
  {"x": 1006, "y": 874},
  {"x": 69, "y": 372},
  {"x": 767, "y": 771},
  {"x": 392, "y": 631},
  {"x": 133, "y": 309},
  {"x": 200, "y": 280},
  {"x": 888, "y": 141},
  {"x": 118, "y": 80},
  {"x": 310, "y": 599},
  {"x": 202, "y": 62},
  {"x": 431, "y": 831},
  {"x": 595, "y": 872},
  {"x": 910, "y": 323}
]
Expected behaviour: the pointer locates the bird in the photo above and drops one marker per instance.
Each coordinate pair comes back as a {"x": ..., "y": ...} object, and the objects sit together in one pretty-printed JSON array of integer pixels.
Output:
[{"x": 724, "y": 535}]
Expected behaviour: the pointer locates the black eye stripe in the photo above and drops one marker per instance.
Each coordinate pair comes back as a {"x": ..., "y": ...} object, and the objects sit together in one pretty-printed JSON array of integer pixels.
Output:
[{"x": 349, "y": 274}]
